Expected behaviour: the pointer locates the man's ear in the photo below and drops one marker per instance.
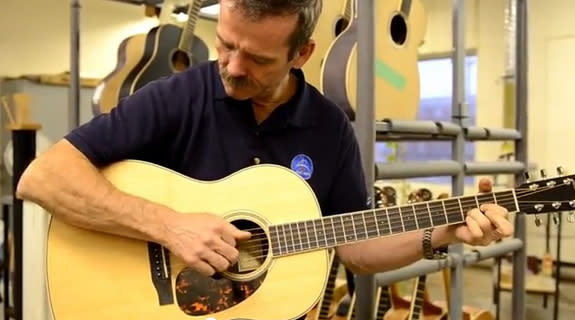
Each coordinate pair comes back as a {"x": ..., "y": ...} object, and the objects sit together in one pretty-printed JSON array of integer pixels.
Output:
[{"x": 303, "y": 54}]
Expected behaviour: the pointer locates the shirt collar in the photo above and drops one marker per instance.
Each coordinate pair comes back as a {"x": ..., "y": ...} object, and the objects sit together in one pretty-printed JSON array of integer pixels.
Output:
[{"x": 301, "y": 111}]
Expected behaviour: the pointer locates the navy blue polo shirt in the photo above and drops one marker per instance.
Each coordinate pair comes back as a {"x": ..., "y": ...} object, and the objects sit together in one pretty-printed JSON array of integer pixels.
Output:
[{"x": 187, "y": 123}]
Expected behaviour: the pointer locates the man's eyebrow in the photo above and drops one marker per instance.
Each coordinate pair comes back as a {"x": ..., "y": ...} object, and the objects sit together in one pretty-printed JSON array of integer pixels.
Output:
[{"x": 251, "y": 54}]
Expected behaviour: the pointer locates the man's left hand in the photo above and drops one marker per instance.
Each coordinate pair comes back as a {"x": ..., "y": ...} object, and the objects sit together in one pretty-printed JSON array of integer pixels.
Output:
[{"x": 482, "y": 225}]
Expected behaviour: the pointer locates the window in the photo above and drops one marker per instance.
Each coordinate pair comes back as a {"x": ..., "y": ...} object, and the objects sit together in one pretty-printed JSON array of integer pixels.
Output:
[{"x": 436, "y": 104}]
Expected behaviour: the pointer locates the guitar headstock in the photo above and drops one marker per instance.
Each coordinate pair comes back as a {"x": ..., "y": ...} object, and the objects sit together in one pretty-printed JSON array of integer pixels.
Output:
[{"x": 547, "y": 195}]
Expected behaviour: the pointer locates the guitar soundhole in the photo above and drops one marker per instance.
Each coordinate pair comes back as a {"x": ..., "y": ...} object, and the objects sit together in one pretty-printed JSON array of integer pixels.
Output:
[
  {"x": 180, "y": 61},
  {"x": 398, "y": 29},
  {"x": 340, "y": 26},
  {"x": 200, "y": 295}
]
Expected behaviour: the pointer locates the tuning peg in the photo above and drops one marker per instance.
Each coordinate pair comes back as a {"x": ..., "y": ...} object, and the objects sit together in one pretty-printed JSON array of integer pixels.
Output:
[
  {"x": 527, "y": 176},
  {"x": 571, "y": 217},
  {"x": 543, "y": 173},
  {"x": 560, "y": 171},
  {"x": 538, "y": 221},
  {"x": 555, "y": 218}
]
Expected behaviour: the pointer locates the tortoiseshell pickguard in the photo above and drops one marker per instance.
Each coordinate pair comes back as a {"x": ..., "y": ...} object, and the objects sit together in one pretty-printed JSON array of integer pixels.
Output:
[{"x": 199, "y": 295}]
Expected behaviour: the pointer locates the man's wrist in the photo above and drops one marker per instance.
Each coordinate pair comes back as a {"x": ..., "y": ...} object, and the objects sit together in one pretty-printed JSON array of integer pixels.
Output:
[{"x": 442, "y": 237}]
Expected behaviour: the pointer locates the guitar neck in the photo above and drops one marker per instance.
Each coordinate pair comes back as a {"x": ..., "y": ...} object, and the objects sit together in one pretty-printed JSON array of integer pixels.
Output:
[
  {"x": 418, "y": 296},
  {"x": 384, "y": 303},
  {"x": 405, "y": 7},
  {"x": 336, "y": 230},
  {"x": 189, "y": 29},
  {"x": 324, "y": 310}
]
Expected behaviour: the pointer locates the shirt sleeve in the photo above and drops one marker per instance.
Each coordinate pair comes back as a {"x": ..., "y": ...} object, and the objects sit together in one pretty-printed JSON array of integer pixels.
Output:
[
  {"x": 139, "y": 122},
  {"x": 348, "y": 192}
]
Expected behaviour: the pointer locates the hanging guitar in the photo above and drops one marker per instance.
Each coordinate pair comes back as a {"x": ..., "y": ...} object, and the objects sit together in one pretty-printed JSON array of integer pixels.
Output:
[
  {"x": 399, "y": 31},
  {"x": 93, "y": 275},
  {"x": 333, "y": 20},
  {"x": 169, "y": 49},
  {"x": 331, "y": 296},
  {"x": 107, "y": 93}
]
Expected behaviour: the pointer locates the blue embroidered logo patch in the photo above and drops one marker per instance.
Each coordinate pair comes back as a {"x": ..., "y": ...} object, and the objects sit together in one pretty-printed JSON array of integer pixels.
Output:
[{"x": 302, "y": 165}]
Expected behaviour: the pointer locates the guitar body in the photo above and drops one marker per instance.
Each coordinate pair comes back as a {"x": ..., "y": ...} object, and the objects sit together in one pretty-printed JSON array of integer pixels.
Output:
[
  {"x": 162, "y": 57},
  {"x": 107, "y": 93},
  {"x": 331, "y": 23},
  {"x": 397, "y": 84},
  {"x": 93, "y": 276}
]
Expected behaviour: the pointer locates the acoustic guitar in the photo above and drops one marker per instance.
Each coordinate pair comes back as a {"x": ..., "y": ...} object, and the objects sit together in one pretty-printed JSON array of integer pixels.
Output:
[
  {"x": 420, "y": 306},
  {"x": 169, "y": 48},
  {"x": 468, "y": 312},
  {"x": 400, "y": 28},
  {"x": 333, "y": 20},
  {"x": 93, "y": 275},
  {"x": 107, "y": 93},
  {"x": 332, "y": 295}
]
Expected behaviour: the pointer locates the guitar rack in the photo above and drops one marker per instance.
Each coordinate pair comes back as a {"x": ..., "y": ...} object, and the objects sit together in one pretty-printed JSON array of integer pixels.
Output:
[{"x": 458, "y": 132}]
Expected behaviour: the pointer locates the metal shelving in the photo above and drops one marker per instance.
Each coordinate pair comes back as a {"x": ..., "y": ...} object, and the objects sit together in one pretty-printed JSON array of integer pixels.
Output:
[{"x": 458, "y": 132}]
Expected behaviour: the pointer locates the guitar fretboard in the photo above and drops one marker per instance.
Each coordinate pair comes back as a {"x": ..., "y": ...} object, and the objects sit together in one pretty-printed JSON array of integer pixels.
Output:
[{"x": 332, "y": 231}]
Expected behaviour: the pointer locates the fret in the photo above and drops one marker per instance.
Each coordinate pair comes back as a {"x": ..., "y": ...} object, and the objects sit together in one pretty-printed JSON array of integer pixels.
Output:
[
  {"x": 468, "y": 204},
  {"x": 287, "y": 246},
  {"x": 461, "y": 209},
  {"x": 351, "y": 217},
  {"x": 339, "y": 230},
  {"x": 321, "y": 241},
  {"x": 382, "y": 222},
  {"x": 507, "y": 200},
  {"x": 388, "y": 220},
  {"x": 494, "y": 198},
  {"x": 349, "y": 229},
  {"x": 329, "y": 232},
  {"x": 293, "y": 242},
  {"x": 299, "y": 236},
  {"x": 477, "y": 201},
  {"x": 401, "y": 218},
  {"x": 310, "y": 228},
  {"x": 276, "y": 241},
  {"x": 444, "y": 211},
  {"x": 408, "y": 218},
  {"x": 324, "y": 233},
  {"x": 371, "y": 227},
  {"x": 422, "y": 215},
  {"x": 364, "y": 224},
  {"x": 394, "y": 218},
  {"x": 302, "y": 234},
  {"x": 484, "y": 198},
  {"x": 359, "y": 226},
  {"x": 343, "y": 228},
  {"x": 437, "y": 213},
  {"x": 415, "y": 216},
  {"x": 453, "y": 210},
  {"x": 307, "y": 239}
]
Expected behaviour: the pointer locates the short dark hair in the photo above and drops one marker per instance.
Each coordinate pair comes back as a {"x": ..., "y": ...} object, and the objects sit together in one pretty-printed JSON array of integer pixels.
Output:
[{"x": 308, "y": 12}]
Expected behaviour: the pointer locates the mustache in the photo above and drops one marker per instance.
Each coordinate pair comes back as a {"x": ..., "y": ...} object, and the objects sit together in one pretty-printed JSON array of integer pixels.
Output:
[{"x": 236, "y": 82}]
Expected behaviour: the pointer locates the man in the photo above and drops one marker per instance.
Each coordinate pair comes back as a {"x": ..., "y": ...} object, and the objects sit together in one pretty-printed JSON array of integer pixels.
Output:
[{"x": 251, "y": 106}]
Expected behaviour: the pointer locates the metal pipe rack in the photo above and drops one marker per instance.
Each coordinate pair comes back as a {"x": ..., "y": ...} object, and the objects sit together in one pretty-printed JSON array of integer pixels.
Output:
[{"x": 458, "y": 132}]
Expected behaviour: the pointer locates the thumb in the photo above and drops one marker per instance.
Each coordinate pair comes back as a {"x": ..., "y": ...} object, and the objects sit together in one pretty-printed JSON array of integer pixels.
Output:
[
  {"x": 485, "y": 185},
  {"x": 241, "y": 234}
]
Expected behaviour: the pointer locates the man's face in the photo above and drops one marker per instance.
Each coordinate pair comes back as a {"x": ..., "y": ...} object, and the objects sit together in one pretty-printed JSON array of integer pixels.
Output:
[{"x": 253, "y": 54}]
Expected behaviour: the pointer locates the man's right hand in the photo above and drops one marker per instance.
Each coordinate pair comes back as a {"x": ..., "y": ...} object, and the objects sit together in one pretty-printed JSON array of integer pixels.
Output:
[{"x": 205, "y": 242}]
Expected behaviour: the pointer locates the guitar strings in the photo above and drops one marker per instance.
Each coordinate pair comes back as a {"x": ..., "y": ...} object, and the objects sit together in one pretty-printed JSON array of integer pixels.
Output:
[
  {"x": 397, "y": 216},
  {"x": 395, "y": 220},
  {"x": 507, "y": 199}
]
